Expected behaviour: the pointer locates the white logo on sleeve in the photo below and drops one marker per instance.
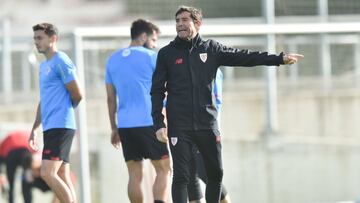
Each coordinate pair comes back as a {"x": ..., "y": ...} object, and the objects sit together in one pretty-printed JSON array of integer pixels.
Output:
[
  {"x": 174, "y": 140},
  {"x": 203, "y": 57},
  {"x": 126, "y": 52},
  {"x": 48, "y": 70}
]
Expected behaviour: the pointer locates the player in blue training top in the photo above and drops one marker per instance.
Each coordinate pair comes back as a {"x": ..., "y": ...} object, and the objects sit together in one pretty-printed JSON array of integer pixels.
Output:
[
  {"x": 128, "y": 82},
  {"x": 59, "y": 95}
]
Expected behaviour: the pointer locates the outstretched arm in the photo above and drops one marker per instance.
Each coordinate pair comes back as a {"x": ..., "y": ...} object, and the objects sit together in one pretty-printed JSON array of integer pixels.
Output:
[{"x": 229, "y": 56}]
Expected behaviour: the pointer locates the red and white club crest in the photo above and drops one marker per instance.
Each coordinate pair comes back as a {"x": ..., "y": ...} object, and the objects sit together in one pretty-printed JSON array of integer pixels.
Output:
[
  {"x": 174, "y": 140},
  {"x": 203, "y": 57}
]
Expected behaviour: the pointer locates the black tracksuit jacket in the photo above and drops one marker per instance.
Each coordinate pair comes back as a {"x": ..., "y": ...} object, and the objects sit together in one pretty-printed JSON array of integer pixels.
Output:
[{"x": 186, "y": 70}]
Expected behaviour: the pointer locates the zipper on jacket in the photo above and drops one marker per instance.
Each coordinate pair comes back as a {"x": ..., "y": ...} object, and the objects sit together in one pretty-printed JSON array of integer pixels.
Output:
[{"x": 192, "y": 91}]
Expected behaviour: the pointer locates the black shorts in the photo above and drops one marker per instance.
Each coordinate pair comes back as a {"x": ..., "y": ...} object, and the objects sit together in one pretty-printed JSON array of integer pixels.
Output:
[
  {"x": 57, "y": 144},
  {"x": 141, "y": 143}
]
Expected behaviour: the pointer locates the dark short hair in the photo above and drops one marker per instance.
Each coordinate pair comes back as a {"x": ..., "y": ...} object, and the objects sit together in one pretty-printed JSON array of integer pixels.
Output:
[
  {"x": 195, "y": 13},
  {"x": 49, "y": 29},
  {"x": 154, "y": 27},
  {"x": 140, "y": 26}
]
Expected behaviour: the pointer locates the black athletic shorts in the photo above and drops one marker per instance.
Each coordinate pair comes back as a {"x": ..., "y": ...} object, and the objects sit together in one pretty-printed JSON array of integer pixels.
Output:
[
  {"x": 141, "y": 143},
  {"x": 57, "y": 144}
]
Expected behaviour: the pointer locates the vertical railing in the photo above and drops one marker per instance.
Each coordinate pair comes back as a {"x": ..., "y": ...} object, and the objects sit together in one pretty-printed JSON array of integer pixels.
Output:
[
  {"x": 357, "y": 62},
  {"x": 6, "y": 61},
  {"x": 325, "y": 56},
  {"x": 271, "y": 87},
  {"x": 294, "y": 69},
  {"x": 271, "y": 126},
  {"x": 83, "y": 150}
]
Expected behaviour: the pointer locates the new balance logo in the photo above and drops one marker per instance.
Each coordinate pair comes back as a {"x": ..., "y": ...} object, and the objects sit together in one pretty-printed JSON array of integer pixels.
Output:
[
  {"x": 47, "y": 151},
  {"x": 179, "y": 61}
]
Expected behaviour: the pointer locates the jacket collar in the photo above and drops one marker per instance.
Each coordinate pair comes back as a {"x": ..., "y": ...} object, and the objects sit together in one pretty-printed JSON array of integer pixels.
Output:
[{"x": 187, "y": 44}]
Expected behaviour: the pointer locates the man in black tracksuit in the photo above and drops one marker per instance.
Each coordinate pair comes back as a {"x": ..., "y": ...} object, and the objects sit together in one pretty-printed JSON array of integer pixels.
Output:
[{"x": 186, "y": 70}]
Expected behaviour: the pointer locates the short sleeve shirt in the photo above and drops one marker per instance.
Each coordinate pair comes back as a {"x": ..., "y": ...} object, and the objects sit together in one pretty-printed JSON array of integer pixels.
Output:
[
  {"x": 56, "y": 105},
  {"x": 130, "y": 72}
]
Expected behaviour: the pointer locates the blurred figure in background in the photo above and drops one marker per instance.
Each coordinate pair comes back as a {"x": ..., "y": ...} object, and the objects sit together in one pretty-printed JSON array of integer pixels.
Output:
[
  {"x": 128, "y": 82},
  {"x": 15, "y": 154}
]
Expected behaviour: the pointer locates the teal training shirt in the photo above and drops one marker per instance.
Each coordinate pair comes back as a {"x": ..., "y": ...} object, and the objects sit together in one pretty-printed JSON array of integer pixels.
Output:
[
  {"x": 130, "y": 72},
  {"x": 56, "y": 106}
]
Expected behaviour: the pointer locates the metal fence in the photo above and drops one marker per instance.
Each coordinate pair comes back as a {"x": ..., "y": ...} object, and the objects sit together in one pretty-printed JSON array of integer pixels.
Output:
[{"x": 331, "y": 61}]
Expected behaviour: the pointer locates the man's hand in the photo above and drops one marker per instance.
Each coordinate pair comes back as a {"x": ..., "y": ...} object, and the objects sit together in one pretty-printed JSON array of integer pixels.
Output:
[
  {"x": 115, "y": 139},
  {"x": 290, "y": 59},
  {"x": 161, "y": 135},
  {"x": 32, "y": 141}
]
